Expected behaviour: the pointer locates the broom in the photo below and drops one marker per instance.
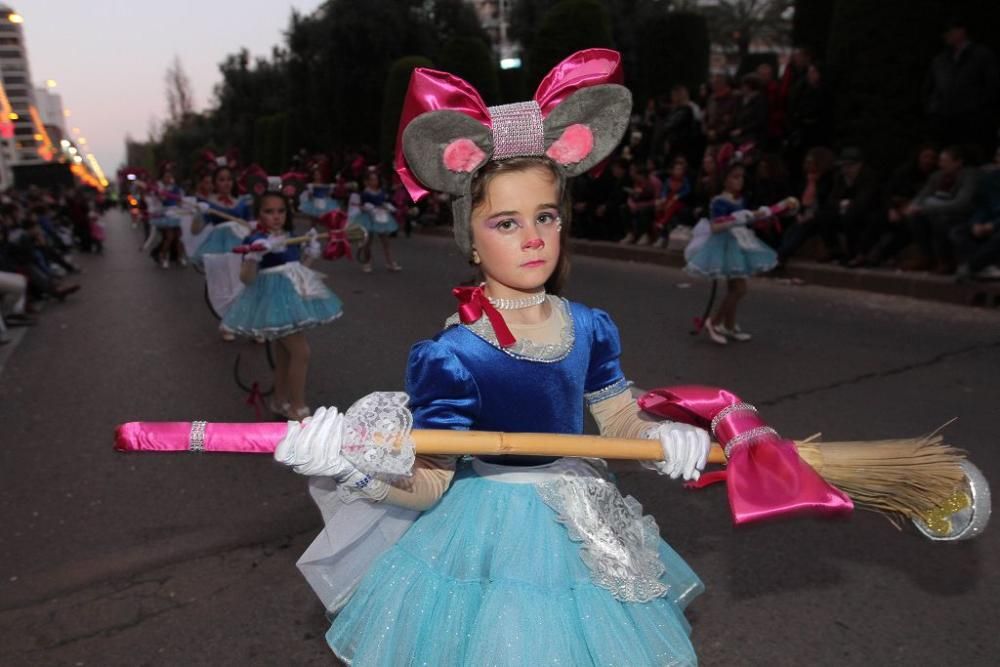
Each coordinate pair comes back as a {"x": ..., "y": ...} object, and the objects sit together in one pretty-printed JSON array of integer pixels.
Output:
[{"x": 918, "y": 479}]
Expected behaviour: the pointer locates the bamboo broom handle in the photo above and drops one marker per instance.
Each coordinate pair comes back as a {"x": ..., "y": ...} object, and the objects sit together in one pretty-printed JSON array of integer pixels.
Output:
[{"x": 456, "y": 443}]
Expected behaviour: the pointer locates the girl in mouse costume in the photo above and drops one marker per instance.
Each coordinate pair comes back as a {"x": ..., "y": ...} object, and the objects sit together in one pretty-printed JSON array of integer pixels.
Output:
[{"x": 508, "y": 561}]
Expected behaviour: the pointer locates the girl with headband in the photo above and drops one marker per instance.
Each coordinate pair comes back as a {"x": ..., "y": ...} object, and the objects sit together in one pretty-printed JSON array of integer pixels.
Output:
[{"x": 505, "y": 560}]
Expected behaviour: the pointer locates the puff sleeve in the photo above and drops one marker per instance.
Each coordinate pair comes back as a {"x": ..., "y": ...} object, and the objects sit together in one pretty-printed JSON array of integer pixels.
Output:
[
  {"x": 604, "y": 374},
  {"x": 443, "y": 393}
]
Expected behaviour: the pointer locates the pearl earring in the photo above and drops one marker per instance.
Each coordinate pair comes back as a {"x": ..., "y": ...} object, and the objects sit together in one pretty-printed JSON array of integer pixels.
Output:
[{"x": 475, "y": 257}]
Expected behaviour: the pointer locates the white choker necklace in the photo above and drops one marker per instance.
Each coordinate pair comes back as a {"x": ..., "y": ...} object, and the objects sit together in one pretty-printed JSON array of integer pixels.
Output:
[{"x": 518, "y": 304}]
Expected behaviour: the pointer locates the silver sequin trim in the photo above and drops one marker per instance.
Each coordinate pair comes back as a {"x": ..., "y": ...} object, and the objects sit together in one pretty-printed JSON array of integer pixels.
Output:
[
  {"x": 517, "y": 130},
  {"x": 196, "y": 441},
  {"x": 613, "y": 389},
  {"x": 525, "y": 349},
  {"x": 748, "y": 436},
  {"x": 735, "y": 407}
]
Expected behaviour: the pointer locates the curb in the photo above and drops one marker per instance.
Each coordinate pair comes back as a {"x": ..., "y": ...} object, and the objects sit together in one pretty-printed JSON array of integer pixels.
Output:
[{"x": 916, "y": 285}]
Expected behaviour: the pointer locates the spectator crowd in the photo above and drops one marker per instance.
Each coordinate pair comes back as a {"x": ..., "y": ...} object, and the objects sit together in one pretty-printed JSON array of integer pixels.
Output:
[
  {"x": 938, "y": 211},
  {"x": 40, "y": 230}
]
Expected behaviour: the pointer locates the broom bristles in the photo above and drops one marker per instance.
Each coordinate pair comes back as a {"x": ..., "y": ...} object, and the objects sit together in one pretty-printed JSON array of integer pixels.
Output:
[{"x": 907, "y": 477}]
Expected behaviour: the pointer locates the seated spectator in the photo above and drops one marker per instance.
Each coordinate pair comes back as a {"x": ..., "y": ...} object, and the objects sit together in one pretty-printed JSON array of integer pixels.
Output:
[
  {"x": 720, "y": 111},
  {"x": 640, "y": 205},
  {"x": 977, "y": 243},
  {"x": 883, "y": 240},
  {"x": 750, "y": 124},
  {"x": 672, "y": 204},
  {"x": 610, "y": 201},
  {"x": 814, "y": 193},
  {"x": 768, "y": 186},
  {"x": 945, "y": 201}
]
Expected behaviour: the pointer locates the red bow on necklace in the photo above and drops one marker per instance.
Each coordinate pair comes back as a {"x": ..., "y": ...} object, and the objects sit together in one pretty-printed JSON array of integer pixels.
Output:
[{"x": 472, "y": 303}]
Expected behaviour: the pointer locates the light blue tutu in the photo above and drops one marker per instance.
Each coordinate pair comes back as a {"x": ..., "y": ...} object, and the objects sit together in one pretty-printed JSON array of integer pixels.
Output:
[
  {"x": 724, "y": 255},
  {"x": 368, "y": 221},
  {"x": 317, "y": 207},
  {"x": 272, "y": 307},
  {"x": 489, "y": 577},
  {"x": 221, "y": 240}
]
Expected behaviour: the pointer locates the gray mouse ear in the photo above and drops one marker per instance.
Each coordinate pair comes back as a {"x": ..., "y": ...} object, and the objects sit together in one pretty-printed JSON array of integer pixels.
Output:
[
  {"x": 444, "y": 149},
  {"x": 587, "y": 126}
]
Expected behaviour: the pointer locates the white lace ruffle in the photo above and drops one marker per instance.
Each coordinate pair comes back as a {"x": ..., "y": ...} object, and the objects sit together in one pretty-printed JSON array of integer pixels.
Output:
[
  {"x": 619, "y": 545},
  {"x": 377, "y": 435}
]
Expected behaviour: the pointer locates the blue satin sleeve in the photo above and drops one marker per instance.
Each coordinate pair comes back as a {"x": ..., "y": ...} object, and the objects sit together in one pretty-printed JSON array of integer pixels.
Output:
[
  {"x": 604, "y": 373},
  {"x": 443, "y": 393}
]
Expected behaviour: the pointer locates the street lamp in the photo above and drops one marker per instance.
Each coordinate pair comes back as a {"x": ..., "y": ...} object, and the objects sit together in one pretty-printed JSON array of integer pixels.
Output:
[
  {"x": 14, "y": 17},
  {"x": 50, "y": 83}
]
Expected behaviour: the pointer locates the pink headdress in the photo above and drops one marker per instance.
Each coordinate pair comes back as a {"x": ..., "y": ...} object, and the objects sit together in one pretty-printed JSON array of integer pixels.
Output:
[{"x": 447, "y": 133}]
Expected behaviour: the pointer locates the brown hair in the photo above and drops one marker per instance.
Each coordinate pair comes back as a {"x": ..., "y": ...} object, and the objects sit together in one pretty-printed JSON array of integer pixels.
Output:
[{"x": 480, "y": 182}]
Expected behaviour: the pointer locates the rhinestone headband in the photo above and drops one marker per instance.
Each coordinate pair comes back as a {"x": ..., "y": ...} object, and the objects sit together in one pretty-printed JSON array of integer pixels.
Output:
[{"x": 517, "y": 130}]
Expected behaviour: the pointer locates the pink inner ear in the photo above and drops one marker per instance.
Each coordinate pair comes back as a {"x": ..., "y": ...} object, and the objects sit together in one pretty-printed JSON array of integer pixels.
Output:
[
  {"x": 463, "y": 155},
  {"x": 573, "y": 146}
]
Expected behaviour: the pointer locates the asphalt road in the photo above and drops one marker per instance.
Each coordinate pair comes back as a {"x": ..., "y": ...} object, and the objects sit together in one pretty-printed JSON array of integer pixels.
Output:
[{"x": 111, "y": 559}]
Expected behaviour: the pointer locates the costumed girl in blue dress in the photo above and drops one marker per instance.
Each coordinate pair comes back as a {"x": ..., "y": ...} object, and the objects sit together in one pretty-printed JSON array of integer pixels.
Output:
[
  {"x": 283, "y": 298},
  {"x": 317, "y": 200},
  {"x": 730, "y": 250},
  {"x": 226, "y": 233},
  {"x": 168, "y": 196},
  {"x": 505, "y": 560},
  {"x": 376, "y": 216}
]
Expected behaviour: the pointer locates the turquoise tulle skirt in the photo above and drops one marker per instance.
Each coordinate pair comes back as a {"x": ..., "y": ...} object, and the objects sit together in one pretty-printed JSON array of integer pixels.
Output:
[
  {"x": 488, "y": 576},
  {"x": 736, "y": 253},
  {"x": 280, "y": 301},
  {"x": 317, "y": 207},
  {"x": 380, "y": 223},
  {"x": 221, "y": 240}
]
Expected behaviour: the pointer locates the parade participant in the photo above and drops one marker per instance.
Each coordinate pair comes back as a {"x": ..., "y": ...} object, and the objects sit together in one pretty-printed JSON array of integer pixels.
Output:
[
  {"x": 166, "y": 195},
  {"x": 226, "y": 233},
  {"x": 728, "y": 250},
  {"x": 283, "y": 297},
  {"x": 376, "y": 215},
  {"x": 513, "y": 561},
  {"x": 317, "y": 200}
]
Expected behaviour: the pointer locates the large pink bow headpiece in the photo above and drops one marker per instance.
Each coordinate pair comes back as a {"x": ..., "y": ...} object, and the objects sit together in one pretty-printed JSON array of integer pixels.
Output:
[
  {"x": 765, "y": 476},
  {"x": 447, "y": 133}
]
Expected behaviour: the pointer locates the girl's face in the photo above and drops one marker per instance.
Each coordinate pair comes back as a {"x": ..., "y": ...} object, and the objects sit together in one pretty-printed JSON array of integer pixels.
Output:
[
  {"x": 224, "y": 182},
  {"x": 679, "y": 169},
  {"x": 708, "y": 164},
  {"x": 272, "y": 214},
  {"x": 371, "y": 181},
  {"x": 168, "y": 179},
  {"x": 734, "y": 181},
  {"x": 205, "y": 184},
  {"x": 515, "y": 231}
]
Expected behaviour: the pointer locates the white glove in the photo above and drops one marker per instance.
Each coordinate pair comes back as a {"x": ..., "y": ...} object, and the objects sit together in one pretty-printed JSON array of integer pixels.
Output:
[
  {"x": 763, "y": 212},
  {"x": 204, "y": 206},
  {"x": 685, "y": 449},
  {"x": 368, "y": 206},
  {"x": 743, "y": 217},
  {"x": 313, "y": 249},
  {"x": 389, "y": 207},
  {"x": 313, "y": 447},
  {"x": 276, "y": 242}
]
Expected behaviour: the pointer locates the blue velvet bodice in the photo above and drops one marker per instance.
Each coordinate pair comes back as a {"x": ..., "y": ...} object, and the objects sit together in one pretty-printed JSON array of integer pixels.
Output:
[
  {"x": 291, "y": 253},
  {"x": 458, "y": 380},
  {"x": 723, "y": 205}
]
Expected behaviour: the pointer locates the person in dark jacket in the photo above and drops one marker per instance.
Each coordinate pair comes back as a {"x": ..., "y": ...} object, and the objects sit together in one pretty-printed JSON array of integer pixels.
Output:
[
  {"x": 962, "y": 90},
  {"x": 977, "y": 243},
  {"x": 751, "y": 117},
  {"x": 945, "y": 201},
  {"x": 890, "y": 233},
  {"x": 851, "y": 207}
]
